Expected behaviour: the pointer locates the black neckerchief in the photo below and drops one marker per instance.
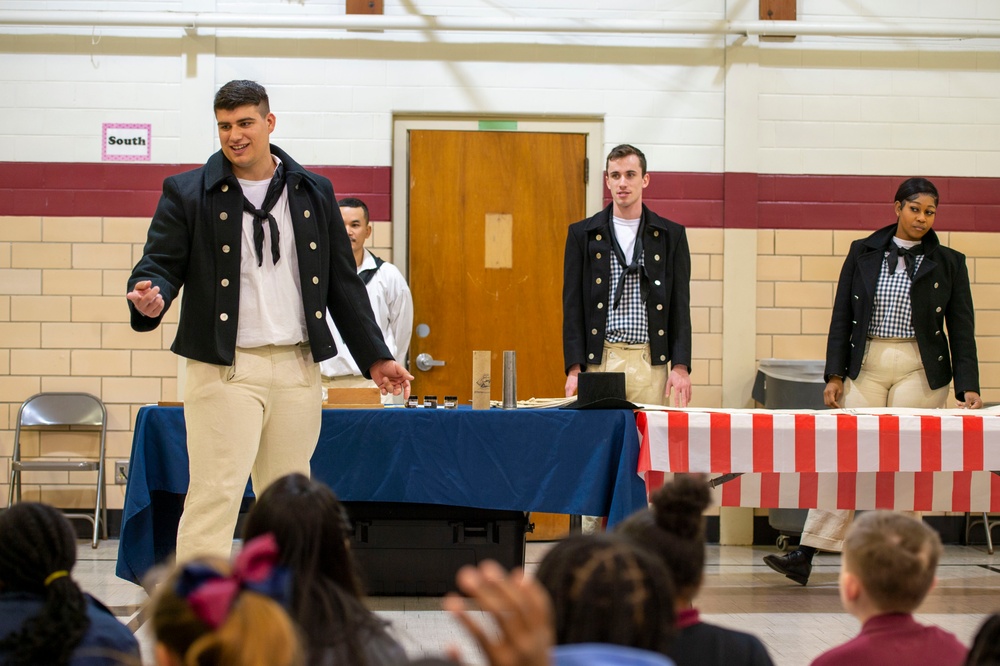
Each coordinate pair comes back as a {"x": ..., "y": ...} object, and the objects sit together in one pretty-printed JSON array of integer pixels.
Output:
[
  {"x": 274, "y": 191},
  {"x": 909, "y": 256},
  {"x": 367, "y": 274},
  {"x": 627, "y": 268}
]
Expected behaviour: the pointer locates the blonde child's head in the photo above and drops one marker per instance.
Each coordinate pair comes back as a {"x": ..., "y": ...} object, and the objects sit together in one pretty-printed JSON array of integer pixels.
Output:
[{"x": 893, "y": 557}]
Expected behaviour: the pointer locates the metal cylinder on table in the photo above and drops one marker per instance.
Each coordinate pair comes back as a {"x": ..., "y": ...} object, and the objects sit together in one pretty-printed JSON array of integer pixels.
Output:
[{"x": 509, "y": 380}]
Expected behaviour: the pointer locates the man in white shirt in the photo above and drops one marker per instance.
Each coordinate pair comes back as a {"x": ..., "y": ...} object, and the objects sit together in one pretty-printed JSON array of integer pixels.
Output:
[
  {"x": 256, "y": 242},
  {"x": 389, "y": 296}
]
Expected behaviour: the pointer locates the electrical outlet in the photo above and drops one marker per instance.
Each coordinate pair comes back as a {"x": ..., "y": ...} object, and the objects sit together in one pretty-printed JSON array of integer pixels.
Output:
[{"x": 121, "y": 472}]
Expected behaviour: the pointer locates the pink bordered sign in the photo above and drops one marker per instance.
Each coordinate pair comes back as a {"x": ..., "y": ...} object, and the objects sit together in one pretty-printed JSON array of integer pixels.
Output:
[{"x": 126, "y": 142}]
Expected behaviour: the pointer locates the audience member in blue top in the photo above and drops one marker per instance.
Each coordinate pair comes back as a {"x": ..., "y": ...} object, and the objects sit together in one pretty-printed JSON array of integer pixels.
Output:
[
  {"x": 44, "y": 616},
  {"x": 522, "y": 614},
  {"x": 607, "y": 589}
]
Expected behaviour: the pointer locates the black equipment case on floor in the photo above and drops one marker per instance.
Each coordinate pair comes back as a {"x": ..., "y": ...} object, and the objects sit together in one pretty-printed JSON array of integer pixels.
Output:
[{"x": 416, "y": 549}]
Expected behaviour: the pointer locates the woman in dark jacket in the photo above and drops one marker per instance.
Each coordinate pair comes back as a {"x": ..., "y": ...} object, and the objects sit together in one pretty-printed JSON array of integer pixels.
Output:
[
  {"x": 898, "y": 289},
  {"x": 903, "y": 327}
]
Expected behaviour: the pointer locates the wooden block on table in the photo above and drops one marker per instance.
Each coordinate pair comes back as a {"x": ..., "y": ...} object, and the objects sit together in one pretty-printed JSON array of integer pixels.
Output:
[
  {"x": 353, "y": 398},
  {"x": 481, "y": 362},
  {"x": 349, "y": 405},
  {"x": 169, "y": 403}
]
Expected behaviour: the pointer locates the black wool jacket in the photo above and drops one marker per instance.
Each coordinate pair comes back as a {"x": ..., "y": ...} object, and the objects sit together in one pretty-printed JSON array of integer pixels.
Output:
[
  {"x": 194, "y": 241},
  {"x": 587, "y": 289},
  {"x": 942, "y": 312}
]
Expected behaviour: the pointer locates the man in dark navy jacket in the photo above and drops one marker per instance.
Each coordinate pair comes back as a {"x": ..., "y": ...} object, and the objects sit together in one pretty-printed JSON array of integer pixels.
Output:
[
  {"x": 626, "y": 291},
  {"x": 259, "y": 245}
]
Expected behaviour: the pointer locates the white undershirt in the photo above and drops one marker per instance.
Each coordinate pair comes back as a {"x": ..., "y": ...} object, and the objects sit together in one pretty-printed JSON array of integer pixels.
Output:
[
  {"x": 625, "y": 232},
  {"x": 271, "y": 311}
]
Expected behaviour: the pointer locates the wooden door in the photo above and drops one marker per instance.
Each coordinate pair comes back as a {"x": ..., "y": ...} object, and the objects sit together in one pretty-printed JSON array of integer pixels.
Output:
[{"x": 488, "y": 213}]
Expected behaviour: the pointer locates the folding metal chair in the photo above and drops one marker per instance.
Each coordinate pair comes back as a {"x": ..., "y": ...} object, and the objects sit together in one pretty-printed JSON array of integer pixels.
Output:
[
  {"x": 63, "y": 411},
  {"x": 987, "y": 524}
]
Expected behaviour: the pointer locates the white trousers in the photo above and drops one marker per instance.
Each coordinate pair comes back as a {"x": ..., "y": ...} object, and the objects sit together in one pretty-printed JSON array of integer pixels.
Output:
[
  {"x": 258, "y": 418},
  {"x": 644, "y": 382},
  {"x": 892, "y": 375}
]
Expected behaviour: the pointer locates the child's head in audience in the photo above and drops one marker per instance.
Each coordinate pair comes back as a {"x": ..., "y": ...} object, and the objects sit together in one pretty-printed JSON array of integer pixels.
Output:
[
  {"x": 208, "y": 613},
  {"x": 606, "y": 589},
  {"x": 674, "y": 529},
  {"x": 888, "y": 564},
  {"x": 37, "y": 554},
  {"x": 985, "y": 650},
  {"x": 313, "y": 532}
]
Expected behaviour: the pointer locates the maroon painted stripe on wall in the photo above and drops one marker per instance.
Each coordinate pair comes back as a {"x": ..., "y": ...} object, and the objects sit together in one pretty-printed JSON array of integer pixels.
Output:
[
  {"x": 59, "y": 189},
  {"x": 714, "y": 200},
  {"x": 775, "y": 201}
]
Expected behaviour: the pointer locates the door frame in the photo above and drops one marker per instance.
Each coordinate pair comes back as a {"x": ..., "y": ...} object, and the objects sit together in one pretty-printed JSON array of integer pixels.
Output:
[{"x": 590, "y": 126}]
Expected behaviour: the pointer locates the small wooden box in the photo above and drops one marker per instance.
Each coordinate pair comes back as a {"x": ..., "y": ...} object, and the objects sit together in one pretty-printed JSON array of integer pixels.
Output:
[{"x": 353, "y": 398}]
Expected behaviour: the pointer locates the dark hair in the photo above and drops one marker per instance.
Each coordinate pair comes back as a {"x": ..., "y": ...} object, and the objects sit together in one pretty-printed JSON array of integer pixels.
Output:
[
  {"x": 911, "y": 188},
  {"x": 37, "y": 552},
  {"x": 895, "y": 558},
  {"x": 353, "y": 202},
  {"x": 674, "y": 529},
  {"x": 985, "y": 650},
  {"x": 242, "y": 93},
  {"x": 256, "y": 630},
  {"x": 312, "y": 530},
  {"x": 624, "y": 150},
  {"x": 607, "y": 589}
]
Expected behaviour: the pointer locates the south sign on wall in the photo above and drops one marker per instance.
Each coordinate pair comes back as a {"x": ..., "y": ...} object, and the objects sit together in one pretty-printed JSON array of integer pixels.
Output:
[{"x": 126, "y": 142}]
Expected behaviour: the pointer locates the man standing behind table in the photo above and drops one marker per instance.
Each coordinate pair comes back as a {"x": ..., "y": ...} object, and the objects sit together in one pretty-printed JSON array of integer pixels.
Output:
[
  {"x": 390, "y": 299},
  {"x": 626, "y": 291},
  {"x": 252, "y": 323}
]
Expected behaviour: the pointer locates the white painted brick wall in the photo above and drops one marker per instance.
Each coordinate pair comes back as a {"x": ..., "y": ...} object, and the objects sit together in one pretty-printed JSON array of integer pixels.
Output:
[{"x": 818, "y": 104}]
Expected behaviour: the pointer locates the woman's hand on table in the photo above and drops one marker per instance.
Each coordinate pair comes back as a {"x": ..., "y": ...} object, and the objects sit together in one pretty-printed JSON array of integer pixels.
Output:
[
  {"x": 972, "y": 401},
  {"x": 833, "y": 392}
]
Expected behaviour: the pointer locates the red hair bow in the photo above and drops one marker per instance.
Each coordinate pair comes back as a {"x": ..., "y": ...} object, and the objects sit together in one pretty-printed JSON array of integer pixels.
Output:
[{"x": 211, "y": 595}]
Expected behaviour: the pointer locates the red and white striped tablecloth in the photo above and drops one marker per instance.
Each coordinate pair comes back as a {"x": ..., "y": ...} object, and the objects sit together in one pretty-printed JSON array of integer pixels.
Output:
[{"x": 924, "y": 460}]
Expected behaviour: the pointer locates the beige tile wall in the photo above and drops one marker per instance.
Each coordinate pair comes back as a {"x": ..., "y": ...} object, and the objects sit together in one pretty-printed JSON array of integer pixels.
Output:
[
  {"x": 706, "y": 316},
  {"x": 64, "y": 323}
]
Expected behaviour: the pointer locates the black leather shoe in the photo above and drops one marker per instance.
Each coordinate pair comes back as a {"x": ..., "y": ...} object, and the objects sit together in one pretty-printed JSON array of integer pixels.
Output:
[{"x": 796, "y": 565}]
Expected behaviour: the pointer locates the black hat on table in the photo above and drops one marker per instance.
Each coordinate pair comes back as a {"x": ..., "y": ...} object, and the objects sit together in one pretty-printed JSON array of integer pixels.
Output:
[{"x": 601, "y": 390}]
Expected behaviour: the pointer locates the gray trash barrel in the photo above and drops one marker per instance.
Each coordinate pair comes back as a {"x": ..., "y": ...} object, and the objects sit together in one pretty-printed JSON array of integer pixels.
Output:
[{"x": 789, "y": 384}]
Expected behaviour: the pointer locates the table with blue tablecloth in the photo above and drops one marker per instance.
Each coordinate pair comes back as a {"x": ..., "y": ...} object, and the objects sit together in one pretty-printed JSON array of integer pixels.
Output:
[{"x": 559, "y": 461}]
